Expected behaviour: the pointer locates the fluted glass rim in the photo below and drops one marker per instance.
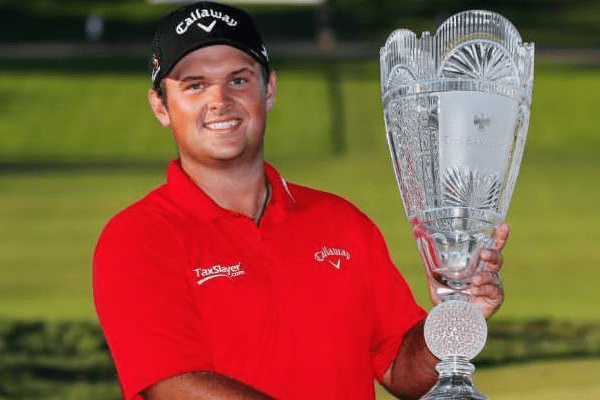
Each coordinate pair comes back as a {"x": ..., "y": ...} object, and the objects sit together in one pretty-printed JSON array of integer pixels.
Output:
[{"x": 410, "y": 60}]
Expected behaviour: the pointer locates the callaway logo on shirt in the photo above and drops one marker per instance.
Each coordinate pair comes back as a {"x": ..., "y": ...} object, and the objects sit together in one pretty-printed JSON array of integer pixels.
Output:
[{"x": 332, "y": 255}]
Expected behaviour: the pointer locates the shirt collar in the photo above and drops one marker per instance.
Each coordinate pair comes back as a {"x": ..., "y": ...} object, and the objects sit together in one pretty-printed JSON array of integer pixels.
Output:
[{"x": 194, "y": 200}]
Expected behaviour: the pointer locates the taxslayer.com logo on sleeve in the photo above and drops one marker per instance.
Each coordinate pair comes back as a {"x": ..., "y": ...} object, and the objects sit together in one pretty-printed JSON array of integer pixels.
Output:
[{"x": 218, "y": 271}]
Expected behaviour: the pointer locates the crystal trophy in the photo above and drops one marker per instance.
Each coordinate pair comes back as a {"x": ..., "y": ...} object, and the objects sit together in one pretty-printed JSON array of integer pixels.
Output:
[{"x": 456, "y": 110}]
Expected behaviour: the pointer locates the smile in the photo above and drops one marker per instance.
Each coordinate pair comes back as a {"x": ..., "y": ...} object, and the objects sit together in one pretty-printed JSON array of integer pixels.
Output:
[{"x": 219, "y": 125}]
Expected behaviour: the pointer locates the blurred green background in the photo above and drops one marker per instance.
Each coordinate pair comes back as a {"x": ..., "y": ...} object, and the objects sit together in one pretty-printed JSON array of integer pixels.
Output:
[{"x": 78, "y": 142}]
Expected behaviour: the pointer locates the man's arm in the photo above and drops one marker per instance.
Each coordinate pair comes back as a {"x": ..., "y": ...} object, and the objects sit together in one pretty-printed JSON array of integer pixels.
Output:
[
  {"x": 413, "y": 372},
  {"x": 202, "y": 385}
]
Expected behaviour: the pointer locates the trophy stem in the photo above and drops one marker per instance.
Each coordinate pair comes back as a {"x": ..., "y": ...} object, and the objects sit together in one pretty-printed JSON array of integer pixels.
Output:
[
  {"x": 455, "y": 332},
  {"x": 454, "y": 382}
]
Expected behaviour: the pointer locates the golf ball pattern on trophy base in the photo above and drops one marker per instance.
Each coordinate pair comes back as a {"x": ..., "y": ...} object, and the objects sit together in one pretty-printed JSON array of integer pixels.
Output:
[{"x": 455, "y": 328}]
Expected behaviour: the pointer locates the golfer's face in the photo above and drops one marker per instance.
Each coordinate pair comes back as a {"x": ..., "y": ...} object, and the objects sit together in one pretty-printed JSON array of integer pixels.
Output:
[{"x": 217, "y": 105}]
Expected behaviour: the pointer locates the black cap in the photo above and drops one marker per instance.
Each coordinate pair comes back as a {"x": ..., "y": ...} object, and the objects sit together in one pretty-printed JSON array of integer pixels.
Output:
[{"x": 203, "y": 24}]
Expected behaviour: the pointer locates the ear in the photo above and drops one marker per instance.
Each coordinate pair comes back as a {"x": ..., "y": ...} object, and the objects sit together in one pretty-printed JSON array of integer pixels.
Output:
[
  {"x": 271, "y": 90},
  {"x": 159, "y": 108}
]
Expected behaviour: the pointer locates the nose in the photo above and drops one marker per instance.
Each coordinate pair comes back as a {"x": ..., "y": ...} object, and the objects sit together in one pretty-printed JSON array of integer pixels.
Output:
[{"x": 220, "y": 98}]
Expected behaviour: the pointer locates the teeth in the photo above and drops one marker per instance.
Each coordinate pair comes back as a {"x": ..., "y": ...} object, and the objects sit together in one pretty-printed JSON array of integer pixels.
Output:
[{"x": 223, "y": 124}]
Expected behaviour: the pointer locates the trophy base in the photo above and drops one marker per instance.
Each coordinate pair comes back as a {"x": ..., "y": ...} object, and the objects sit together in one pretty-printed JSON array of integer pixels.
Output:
[{"x": 454, "y": 382}]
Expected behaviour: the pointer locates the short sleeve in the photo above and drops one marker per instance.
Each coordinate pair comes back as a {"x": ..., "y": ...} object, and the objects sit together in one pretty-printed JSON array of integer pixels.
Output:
[
  {"x": 143, "y": 303},
  {"x": 395, "y": 308}
]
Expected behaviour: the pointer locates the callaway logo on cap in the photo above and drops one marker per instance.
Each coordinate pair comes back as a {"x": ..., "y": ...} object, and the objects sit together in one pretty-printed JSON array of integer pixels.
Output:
[{"x": 203, "y": 24}]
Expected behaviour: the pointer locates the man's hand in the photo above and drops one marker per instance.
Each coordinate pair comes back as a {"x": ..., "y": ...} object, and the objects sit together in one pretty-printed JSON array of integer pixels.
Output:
[{"x": 486, "y": 285}]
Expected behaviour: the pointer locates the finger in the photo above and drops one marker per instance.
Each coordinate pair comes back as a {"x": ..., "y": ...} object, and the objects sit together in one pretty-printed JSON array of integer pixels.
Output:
[
  {"x": 500, "y": 236},
  {"x": 488, "y": 277},
  {"x": 489, "y": 292},
  {"x": 487, "y": 284},
  {"x": 492, "y": 259}
]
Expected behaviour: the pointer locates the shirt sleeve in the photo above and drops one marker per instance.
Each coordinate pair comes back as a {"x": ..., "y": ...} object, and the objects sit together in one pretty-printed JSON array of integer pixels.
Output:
[
  {"x": 143, "y": 302},
  {"x": 395, "y": 308}
]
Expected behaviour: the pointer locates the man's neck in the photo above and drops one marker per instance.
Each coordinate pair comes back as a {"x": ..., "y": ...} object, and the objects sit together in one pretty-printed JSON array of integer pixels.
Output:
[{"x": 239, "y": 188}]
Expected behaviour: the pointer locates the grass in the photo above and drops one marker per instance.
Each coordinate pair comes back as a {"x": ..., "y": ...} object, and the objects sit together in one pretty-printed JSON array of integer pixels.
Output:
[
  {"x": 49, "y": 226},
  {"x": 103, "y": 115},
  {"x": 79, "y": 117},
  {"x": 563, "y": 116}
]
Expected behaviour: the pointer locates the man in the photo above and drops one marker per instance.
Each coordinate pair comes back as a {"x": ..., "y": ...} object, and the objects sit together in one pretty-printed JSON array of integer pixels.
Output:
[{"x": 229, "y": 283}]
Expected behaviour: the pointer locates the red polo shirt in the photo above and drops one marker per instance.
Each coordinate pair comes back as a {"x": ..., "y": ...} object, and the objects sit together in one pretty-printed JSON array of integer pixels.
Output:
[{"x": 307, "y": 305}]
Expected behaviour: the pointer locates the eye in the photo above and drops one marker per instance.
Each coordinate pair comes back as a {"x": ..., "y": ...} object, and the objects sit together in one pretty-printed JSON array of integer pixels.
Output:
[
  {"x": 195, "y": 86},
  {"x": 239, "y": 80}
]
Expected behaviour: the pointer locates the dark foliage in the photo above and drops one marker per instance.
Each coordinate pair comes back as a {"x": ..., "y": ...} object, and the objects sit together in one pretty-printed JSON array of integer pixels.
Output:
[
  {"x": 546, "y": 22},
  {"x": 39, "y": 359}
]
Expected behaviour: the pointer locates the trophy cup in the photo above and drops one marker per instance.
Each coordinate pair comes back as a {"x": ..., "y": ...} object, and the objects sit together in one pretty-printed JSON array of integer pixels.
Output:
[{"x": 456, "y": 110}]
